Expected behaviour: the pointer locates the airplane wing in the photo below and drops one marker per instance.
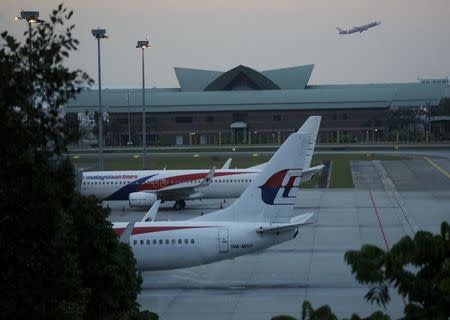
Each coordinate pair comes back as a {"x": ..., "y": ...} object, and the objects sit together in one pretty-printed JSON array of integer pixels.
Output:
[
  {"x": 188, "y": 192},
  {"x": 293, "y": 224},
  {"x": 226, "y": 165}
]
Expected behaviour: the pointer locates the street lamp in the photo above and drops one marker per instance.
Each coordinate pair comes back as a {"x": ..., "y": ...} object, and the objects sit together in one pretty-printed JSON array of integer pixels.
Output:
[
  {"x": 100, "y": 34},
  {"x": 30, "y": 17},
  {"x": 143, "y": 45}
]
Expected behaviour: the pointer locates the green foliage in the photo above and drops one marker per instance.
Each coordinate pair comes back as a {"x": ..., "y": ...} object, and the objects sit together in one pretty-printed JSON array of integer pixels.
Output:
[
  {"x": 323, "y": 313},
  {"x": 144, "y": 315},
  {"x": 107, "y": 264},
  {"x": 283, "y": 317},
  {"x": 59, "y": 257},
  {"x": 73, "y": 131},
  {"x": 443, "y": 109},
  {"x": 378, "y": 315},
  {"x": 418, "y": 268}
]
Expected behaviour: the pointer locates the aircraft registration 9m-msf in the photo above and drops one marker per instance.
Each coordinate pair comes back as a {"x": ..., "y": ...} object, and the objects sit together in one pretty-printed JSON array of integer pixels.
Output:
[
  {"x": 143, "y": 188},
  {"x": 260, "y": 218}
]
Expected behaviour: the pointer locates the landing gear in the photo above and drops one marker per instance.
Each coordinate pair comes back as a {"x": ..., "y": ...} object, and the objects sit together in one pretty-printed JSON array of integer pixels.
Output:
[{"x": 179, "y": 204}]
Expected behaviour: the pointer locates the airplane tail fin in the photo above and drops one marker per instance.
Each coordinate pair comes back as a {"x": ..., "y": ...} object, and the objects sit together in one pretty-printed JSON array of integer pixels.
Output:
[
  {"x": 311, "y": 126},
  {"x": 271, "y": 195}
]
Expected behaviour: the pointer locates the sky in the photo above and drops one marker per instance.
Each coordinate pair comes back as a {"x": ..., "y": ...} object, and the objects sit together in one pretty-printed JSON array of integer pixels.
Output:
[{"x": 413, "y": 40}]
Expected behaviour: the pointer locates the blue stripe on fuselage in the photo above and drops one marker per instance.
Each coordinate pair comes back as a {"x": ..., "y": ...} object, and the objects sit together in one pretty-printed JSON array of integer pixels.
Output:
[{"x": 123, "y": 193}]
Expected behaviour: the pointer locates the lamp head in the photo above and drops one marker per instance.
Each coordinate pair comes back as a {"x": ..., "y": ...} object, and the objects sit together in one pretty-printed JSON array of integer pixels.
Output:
[
  {"x": 143, "y": 44},
  {"x": 29, "y": 16},
  {"x": 99, "y": 33}
]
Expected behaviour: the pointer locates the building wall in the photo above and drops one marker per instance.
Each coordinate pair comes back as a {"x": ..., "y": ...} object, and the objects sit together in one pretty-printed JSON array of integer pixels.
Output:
[{"x": 347, "y": 125}]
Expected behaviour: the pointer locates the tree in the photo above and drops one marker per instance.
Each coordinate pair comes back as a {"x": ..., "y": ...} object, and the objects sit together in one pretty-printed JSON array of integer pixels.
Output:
[
  {"x": 443, "y": 109},
  {"x": 59, "y": 256},
  {"x": 72, "y": 128},
  {"x": 418, "y": 268}
]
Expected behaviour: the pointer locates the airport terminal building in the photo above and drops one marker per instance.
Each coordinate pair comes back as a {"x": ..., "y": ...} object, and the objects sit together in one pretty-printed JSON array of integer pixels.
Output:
[{"x": 245, "y": 106}]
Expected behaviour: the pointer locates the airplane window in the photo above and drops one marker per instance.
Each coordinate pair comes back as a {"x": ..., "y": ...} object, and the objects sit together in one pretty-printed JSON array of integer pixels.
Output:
[
  {"x": 192, "y": 240},
  {"x": 180, "y": 241},
  {"x": 167, "y": 241},
  {"x": 141, "y": 242},
  {"x": 135, "y": 242},
  {"x": 154, "y": 241},
  {"x": 160, "y": 241},
  {"x": 148, "y": 241},
  {"x": 173, "y": 241},
  {"x": 186, "y": 241}
]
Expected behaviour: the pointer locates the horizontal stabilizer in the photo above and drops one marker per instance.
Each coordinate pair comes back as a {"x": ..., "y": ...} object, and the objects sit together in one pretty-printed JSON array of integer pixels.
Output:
[
  {"x": 293, "y": 224},
  {"x": 119, "y": 227},
  {"x": 309, "y": 173},
  {"x": 151, "y": 214}
]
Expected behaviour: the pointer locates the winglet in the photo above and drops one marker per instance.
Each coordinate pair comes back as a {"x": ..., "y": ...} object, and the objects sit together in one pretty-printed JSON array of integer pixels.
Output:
[
  {"x": 226, "y": 165},
  {"x": 208, "y": 178},
  {"x": 151, "y": 214}
]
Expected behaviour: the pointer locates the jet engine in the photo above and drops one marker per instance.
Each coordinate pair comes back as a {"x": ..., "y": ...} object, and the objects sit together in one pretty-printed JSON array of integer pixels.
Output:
[{"x": 142, "y": 199}]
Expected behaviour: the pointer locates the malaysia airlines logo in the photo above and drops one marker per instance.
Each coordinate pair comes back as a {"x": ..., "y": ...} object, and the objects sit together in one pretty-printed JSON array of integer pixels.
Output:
[{"x": 277, "y": 189}]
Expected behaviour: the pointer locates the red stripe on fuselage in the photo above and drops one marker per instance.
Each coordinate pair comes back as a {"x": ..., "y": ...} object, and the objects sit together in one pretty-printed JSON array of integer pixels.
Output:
[
  {"x": 140, "y": 230},
  {"x": 170, "y": 181}
]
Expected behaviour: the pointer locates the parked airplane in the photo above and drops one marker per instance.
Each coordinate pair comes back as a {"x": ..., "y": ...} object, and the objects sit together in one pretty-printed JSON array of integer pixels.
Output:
[
  {"x": 260, "y": 218},
  {"x": 359, "y": 29},
  {"x": 144, "y": 187}
]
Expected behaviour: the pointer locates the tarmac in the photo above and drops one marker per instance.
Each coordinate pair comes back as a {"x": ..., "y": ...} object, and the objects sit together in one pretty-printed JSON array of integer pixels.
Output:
[{"x": 391, "y": 199}]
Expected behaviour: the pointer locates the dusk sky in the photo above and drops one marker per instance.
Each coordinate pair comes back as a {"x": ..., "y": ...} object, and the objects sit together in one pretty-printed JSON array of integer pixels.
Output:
[{"x": 413, "y": 40}]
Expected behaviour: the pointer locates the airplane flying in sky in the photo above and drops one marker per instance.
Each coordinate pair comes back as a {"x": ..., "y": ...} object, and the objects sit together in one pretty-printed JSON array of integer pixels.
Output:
[
  {"x": 360, "y": 28},
  {"x": 143, "y": 188},
  {"x": 260, "y": 218}
]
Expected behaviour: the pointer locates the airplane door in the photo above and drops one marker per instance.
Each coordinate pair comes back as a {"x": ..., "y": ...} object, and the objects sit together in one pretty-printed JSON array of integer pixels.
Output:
[{"x": 223, "y": 240}]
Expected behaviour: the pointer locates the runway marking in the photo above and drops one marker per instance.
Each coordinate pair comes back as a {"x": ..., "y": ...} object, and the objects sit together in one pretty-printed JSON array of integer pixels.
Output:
[
  {"x": 434, "y": 164},
  {"x": 379, "y": 220},
  {"x": 382, "y": 230}
]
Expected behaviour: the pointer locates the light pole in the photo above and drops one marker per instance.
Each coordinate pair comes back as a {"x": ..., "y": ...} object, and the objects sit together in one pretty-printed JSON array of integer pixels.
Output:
[
  {"x": 143, "y": 45},
  {"x": 30, "y": 17},
  {"x": 100, "y": 34}
]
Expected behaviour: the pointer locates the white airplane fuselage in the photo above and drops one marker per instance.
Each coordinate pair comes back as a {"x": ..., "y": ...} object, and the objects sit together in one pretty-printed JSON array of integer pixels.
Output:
[
  {"x": 188, "y": 244},
  {"x": 117, "y": 185},
  {"x": 261, "y": 217}
]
